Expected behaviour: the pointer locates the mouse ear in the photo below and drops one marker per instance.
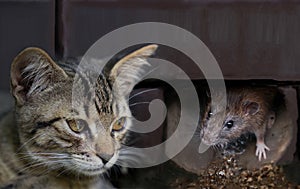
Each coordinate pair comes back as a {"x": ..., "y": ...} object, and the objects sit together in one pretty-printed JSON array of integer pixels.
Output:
[{"x": 251, "y": 108}]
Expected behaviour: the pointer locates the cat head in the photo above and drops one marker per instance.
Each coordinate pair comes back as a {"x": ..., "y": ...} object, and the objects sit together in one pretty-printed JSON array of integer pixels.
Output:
[{"x": 81, "y": 135}]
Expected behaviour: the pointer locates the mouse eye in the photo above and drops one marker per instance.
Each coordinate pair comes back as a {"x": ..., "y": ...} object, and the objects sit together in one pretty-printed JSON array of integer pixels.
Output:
[
  {"x": 229, "y": 124},
  {"x": 209, "y": 114}
]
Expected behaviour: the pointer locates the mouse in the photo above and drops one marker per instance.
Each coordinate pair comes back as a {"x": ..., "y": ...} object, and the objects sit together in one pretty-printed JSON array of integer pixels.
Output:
[{"x": 248, "y": 110}]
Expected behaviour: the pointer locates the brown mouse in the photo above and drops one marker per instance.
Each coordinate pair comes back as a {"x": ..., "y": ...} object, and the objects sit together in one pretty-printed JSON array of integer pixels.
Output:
[{"x": 248, "y": 110}]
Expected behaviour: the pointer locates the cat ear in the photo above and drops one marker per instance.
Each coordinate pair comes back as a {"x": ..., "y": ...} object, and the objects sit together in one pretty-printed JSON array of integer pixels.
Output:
[
  {"x": 128, "y": 71},
  {"x": 251, "y": 108},
  {"x": 31, "y": 72}
]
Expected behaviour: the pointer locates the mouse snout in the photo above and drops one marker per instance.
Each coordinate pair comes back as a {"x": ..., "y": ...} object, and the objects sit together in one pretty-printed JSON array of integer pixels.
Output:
[
  {"x": 207, "y": 141},
  {"x": 206, "y": 138},
  {"x": 209, "y": 136}
]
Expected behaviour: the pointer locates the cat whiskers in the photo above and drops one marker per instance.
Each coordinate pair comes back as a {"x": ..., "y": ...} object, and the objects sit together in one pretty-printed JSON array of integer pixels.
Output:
[
  {"x": 64, "y": 171},
  {"x": 132, "y": 139},
  {"x": 28, "y": 141},
  {"x": 138, "y": 103},
  {"x": 150, "y": 72},
  {"x": 45, "y": 154},
  {"x": 12, "y": 163},
  {"x": 55, "y": 160},
  {"x": 129, "y": 158},
  {"x": 116, "y": 170},
  {"x": 142, "y": 92},
  {"x": 55, "y": 164}
]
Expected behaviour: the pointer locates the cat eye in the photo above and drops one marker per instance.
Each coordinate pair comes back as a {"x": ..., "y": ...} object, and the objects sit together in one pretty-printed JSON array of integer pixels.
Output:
[
  {"x": 77, "y": 125},
  {"x": 229, "y": 124},
  {"x": 119, "y": 124}
]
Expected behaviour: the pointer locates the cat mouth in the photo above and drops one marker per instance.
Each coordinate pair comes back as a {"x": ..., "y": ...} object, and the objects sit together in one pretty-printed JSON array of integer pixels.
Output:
[
  {"x": 83, "y": 163},
  {"x": 94, "y": 166},
  {"x": 89, "y": 169},
  {"x": 91, "y": 172}
]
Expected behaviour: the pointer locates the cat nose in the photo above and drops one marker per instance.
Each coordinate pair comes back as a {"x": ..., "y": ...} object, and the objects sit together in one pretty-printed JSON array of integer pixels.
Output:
[
  {"x": 104, "y": 161},
  {"x": 104, "y": 157}
]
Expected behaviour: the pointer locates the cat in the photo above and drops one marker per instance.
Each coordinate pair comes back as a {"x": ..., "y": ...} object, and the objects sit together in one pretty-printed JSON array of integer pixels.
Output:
[{"x": 58, "y": 137}]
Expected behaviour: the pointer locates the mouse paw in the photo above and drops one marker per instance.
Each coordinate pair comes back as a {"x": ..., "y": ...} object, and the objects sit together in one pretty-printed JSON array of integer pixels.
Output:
[{"x": 261, "y": 150}]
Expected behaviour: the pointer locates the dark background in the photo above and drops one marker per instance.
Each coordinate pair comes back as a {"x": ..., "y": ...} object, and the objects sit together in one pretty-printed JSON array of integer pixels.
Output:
[{"x": 250, "y": 39}]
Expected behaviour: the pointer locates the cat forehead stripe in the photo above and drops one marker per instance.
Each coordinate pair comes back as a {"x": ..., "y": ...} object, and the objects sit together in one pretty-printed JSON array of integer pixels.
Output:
[
  {"x": 99, "y": 87},
  {"x": 104, "y": 95}
]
